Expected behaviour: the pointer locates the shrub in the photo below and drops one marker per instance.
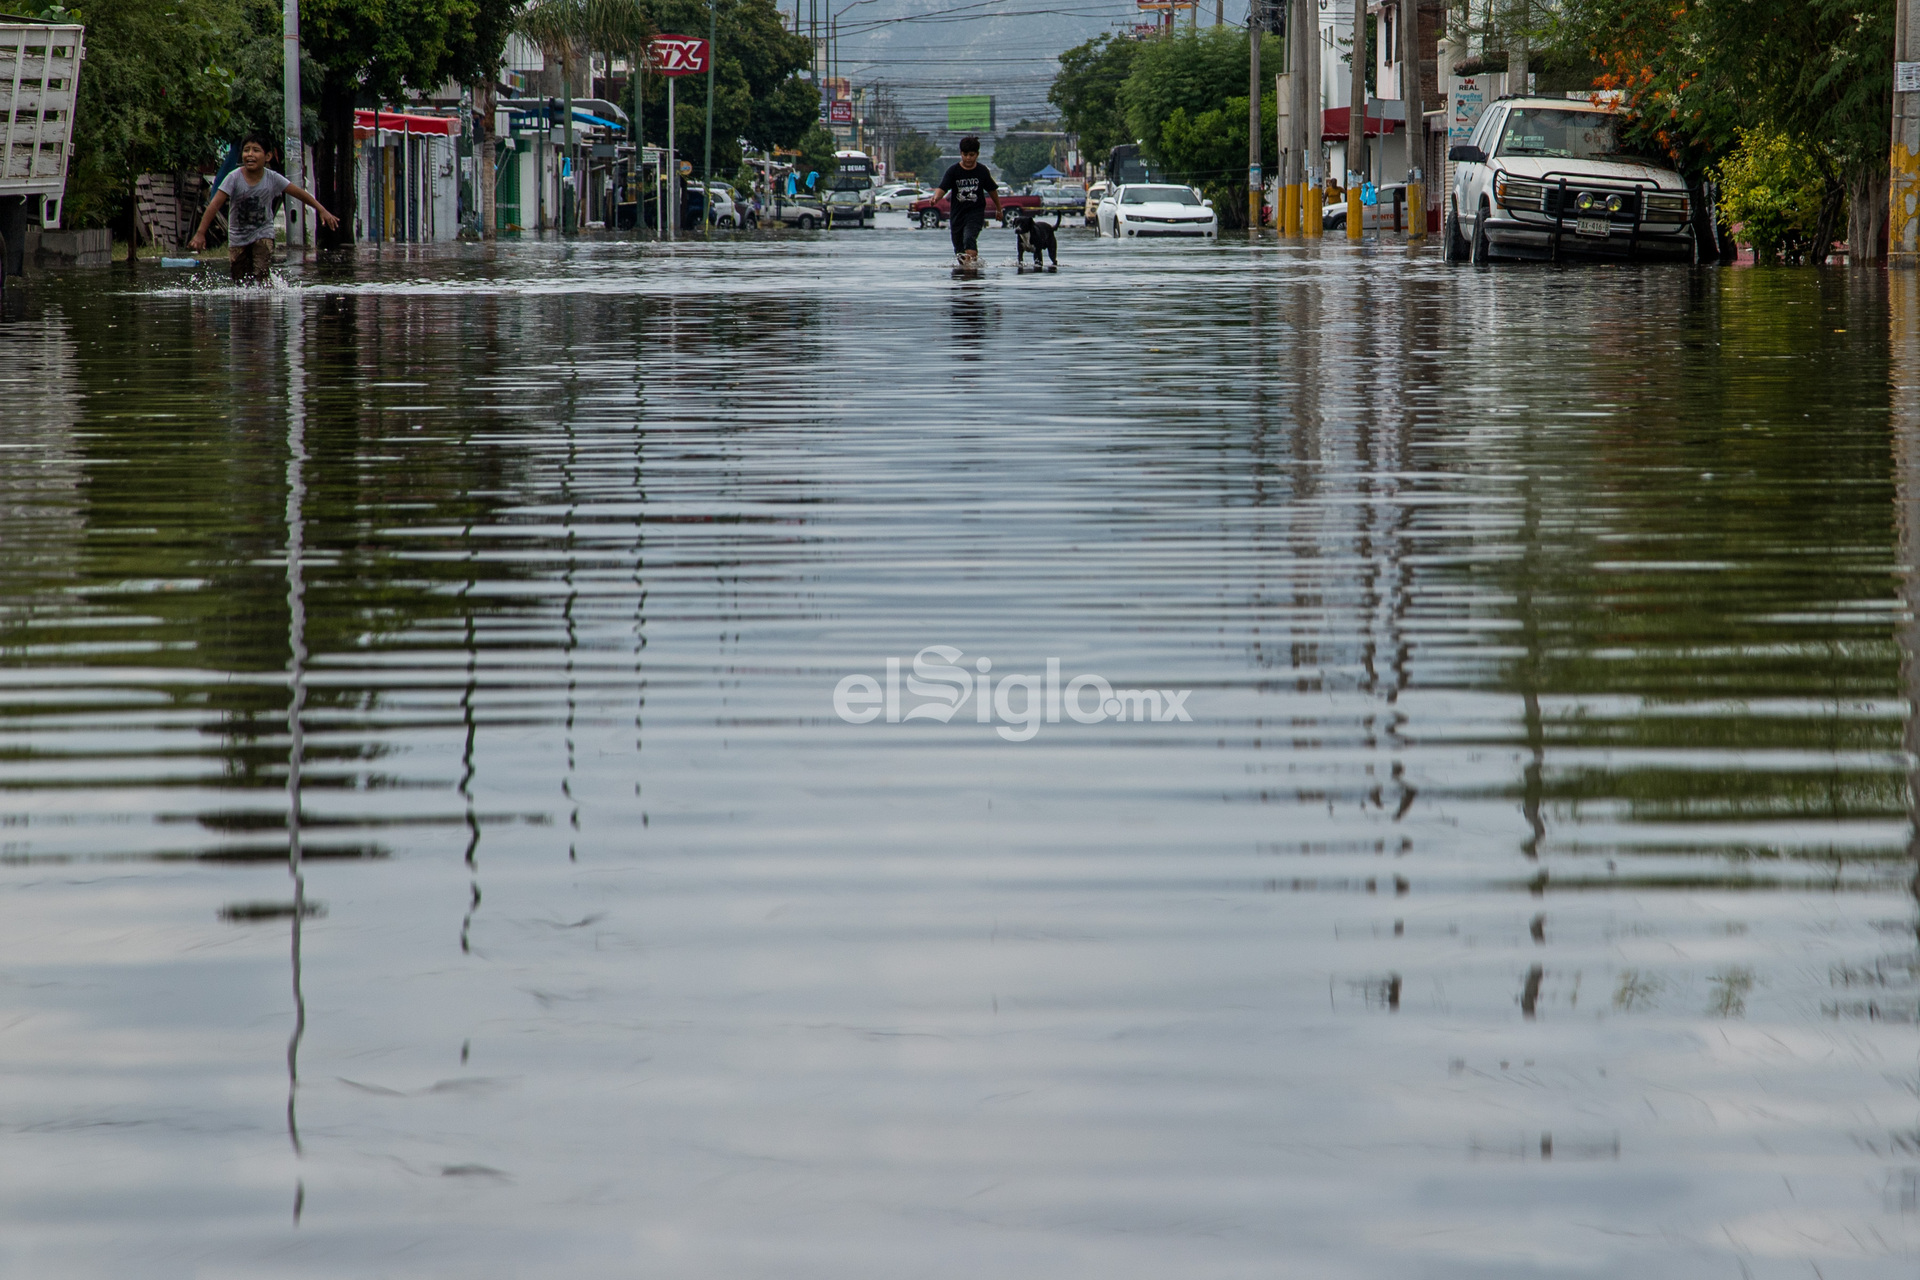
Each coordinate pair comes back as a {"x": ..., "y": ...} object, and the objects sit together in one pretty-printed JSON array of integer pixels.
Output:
[{"x": 1772, "y": 188}]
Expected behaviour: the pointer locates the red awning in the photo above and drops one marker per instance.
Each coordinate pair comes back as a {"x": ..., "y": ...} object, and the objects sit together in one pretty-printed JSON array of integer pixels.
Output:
[
  {"x": 403, "y": 122},
  {"x": 1334, "y": 126}
]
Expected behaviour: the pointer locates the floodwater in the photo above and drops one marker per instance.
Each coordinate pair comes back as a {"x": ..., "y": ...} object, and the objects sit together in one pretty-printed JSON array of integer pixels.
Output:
[{"x": 1516, "y": 882}]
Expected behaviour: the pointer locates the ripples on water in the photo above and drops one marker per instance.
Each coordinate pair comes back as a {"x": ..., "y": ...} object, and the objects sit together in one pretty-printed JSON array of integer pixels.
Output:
[{"x": 1528, "y": 895}]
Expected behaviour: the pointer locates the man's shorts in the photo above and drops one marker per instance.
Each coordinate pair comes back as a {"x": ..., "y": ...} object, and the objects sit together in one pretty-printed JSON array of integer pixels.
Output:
[
  {"x": 966, "y": 229},
  {"x": 251, "y": 261}
]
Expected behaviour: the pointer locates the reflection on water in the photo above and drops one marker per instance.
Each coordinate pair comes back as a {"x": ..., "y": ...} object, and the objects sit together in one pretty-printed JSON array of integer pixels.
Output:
[{"x": 1530, "y": 893}]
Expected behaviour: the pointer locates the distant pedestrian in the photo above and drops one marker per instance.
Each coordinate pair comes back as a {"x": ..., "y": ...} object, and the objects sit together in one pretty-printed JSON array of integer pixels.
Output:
[
  {"x": 251, "y": 190},
  {"x": 972, "y": 189}
]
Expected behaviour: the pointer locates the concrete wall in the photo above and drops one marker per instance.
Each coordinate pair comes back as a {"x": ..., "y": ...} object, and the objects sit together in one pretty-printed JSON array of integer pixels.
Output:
[{"x": 53, "y": 250}]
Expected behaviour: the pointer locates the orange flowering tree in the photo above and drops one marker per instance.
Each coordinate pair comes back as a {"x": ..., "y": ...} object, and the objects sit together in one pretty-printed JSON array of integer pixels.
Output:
[{"x": 1693, "y": 73}]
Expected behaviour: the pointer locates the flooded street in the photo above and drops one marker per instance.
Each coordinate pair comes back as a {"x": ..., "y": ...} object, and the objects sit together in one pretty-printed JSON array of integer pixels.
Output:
[{"x": 1509, "y": 875}]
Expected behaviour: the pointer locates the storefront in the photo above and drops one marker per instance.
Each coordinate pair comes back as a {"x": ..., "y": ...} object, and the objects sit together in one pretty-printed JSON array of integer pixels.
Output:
[{"x": 408, "y": 167}]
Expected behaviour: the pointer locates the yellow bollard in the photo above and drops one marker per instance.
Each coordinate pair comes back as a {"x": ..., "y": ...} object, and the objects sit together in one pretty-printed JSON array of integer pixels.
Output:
[
  {"x": 1416, "y": 211},
  {"x": 1353, "y": 211}
]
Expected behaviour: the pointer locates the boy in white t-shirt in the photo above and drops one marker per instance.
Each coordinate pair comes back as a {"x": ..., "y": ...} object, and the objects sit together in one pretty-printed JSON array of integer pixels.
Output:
[{"x": 252, "y": 189}]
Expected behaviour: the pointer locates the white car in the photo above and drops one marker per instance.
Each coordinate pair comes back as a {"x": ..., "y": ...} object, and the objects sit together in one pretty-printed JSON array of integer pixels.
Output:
[
  {"x": 1137, "y": 210},
  {"x": 725, "y": 212},
  {"x": 899, "y": 197},
  {"x": 1550, "y": 178},
  {"x": 1378, "y": 216}
]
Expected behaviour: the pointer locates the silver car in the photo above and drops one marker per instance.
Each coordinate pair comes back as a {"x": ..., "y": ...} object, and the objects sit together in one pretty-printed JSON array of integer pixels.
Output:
[
  {"x": 900, "y": 197},
  {"x": 1551, "y": 178},
  {"x": 794, "y": 211}
]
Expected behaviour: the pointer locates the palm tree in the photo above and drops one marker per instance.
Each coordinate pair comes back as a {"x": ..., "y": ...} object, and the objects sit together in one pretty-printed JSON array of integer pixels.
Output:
[{"x": 567, "y": 28}]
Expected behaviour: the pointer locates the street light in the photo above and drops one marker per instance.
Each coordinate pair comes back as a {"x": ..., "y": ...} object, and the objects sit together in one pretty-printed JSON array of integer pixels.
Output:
[{"x": 833, "y": 37}]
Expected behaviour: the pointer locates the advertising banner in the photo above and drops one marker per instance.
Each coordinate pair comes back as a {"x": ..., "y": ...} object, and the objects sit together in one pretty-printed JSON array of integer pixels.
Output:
[{"x": 970, "y": 113}]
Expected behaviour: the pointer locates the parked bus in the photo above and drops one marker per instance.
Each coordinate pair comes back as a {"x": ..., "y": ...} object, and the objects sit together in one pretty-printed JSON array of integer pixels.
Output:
[
  {"x": 1125, "y": 165},
  {"x": 853, "y": 171}
]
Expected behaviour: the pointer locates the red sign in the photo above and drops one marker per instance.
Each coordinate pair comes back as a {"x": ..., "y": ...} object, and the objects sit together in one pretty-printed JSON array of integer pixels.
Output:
[
  {"x": 841, "y": 111},
  {"x": 677, "y": 56}
]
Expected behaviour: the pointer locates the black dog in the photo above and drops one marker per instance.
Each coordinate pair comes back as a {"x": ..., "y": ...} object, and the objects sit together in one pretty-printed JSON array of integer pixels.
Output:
[{"x": 1034, "y": 237}]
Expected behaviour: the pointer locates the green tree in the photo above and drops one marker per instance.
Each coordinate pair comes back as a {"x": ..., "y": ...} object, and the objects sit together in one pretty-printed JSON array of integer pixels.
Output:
[
  {"x": 1193, "y": 71},
  {"x": 1086, "y": 90},
  {"x": 153, "y": 97},
  {"x": 1209, "y": 150},
  {"x": 757, "y": 97},
  {"x": 377, "y": 49},
  {"x": 1693, "y": 75},
  {"x": 1772, "y": 186},
  {"x": 1020, "y": 158},
  {"x": 915, "y": 153},
  {"x": 816, "y": 146},
  {"x": 255, "y": 101}
]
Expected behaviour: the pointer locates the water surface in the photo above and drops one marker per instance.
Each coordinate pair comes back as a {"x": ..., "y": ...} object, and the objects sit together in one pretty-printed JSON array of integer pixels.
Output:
[{"x": 1528, "y": 894}]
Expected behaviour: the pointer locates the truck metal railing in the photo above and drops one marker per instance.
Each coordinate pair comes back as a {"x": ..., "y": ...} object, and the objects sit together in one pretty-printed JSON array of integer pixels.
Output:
[
  {"x": 1556, "y": 187},
  {"x": 39, "y": 77}
]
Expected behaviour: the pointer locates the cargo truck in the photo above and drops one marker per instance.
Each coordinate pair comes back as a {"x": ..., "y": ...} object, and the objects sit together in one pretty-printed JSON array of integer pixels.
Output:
[{"x": 39, "y": 76}]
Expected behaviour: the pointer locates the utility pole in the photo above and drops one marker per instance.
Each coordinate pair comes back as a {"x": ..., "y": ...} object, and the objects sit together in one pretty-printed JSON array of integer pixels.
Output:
[
  {"x": 1903, "y": 188},
  {"x": 569, "y": 210},
  {"x": 290, "y": 89},
  {"x": 1256, "y": 11},
  {"x": 1416, "y": 119},
  {"x": 706, "y": 196},
  {"x": 1300, "y": 48},
  {"x": 672, "y": 220},
  {"x": 1357, "y": 120},
  {"x": 1315, "y": 124}
]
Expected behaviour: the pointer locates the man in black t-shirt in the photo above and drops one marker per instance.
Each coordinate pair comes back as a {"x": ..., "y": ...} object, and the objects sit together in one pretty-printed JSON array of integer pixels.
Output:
[{"x": 972, "y": 189}]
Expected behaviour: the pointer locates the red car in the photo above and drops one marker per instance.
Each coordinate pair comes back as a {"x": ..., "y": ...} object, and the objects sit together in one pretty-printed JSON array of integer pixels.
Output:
[{"x": 924, "y": 212}]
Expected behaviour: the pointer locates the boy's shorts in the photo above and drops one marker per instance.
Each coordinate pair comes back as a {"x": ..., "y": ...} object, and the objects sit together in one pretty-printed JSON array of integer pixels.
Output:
[
  {"x": 965, "y": 228},
  {"x": 251, "y": 261}
]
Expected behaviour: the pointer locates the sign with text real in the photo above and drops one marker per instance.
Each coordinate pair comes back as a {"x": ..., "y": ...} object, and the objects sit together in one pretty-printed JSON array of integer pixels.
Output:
[
  {"x": 841, "y": 112},
  {"x": 1467, "y": 98},
  {"x": 678, "y": 56}
]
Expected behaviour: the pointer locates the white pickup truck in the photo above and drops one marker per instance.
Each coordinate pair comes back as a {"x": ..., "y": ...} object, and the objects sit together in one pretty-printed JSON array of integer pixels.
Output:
[
  {"x": 1550, "y": 178},
  {"x": 39, "y": 77}
]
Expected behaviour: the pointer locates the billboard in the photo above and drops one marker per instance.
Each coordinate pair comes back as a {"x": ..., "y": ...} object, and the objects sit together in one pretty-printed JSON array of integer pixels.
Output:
[
  {"x": 841, "y": 111},
  {"x": 677, "y": 55},
  {"x": 970, "y": 113}
]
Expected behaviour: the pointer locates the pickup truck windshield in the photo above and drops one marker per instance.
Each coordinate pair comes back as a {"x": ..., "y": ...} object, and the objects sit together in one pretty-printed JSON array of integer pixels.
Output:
[
  {"x": 1562, "y": 135},
  {"x": 1159, "y": 195}
]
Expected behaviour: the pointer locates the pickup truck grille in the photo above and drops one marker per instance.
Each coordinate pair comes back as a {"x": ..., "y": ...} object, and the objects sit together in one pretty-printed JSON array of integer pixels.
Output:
[{"x": 1629, "y": 202}]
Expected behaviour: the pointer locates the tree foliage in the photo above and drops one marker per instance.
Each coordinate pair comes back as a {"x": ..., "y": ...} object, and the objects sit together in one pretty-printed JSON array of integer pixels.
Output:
[
  {"x": 915, "y": 153},
  {"x": 153, "y": 95},
  {"x": 1694, "y": 73},
  {"x": 1193, "y": 71},
  {"x": 1209, "y": 150},
  {"x": 757, "y": 97},
  {"x": 1018, "y": 159},
  {"x": 1086, "y": 90},
  {"x": 1773, "y": 187},
  {"x": 255, "y": 101},
  {"x": 816, "y": 147}
]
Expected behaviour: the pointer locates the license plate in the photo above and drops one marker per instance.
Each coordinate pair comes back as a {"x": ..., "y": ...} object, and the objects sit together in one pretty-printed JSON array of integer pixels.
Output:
[{"x": 1590, "y": 227}]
